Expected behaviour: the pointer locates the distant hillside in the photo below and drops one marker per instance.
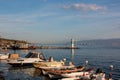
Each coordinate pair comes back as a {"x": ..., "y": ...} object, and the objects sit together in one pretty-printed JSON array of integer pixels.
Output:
[
  {"x": 10, "y": 41},
  {"x": 100, "y": 43},
  {"x": 103, "y": 43}
]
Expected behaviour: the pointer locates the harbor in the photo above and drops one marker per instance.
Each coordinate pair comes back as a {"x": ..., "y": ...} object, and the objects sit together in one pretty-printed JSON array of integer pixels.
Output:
[
  {"x": 78, "y": 57},
  {"x": 59, "y": 40},
  {"x": 71, "y": 60}
]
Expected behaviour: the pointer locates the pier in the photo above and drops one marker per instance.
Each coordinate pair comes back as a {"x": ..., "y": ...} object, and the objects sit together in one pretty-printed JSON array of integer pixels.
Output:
[
  {"x": 59, "y": 47},
  {"x": 56, "y": 47},
  {"x": 20, "y": 44}
]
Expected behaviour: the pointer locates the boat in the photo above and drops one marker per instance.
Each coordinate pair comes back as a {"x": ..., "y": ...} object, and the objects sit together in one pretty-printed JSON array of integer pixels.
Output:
[
  {"x": 60, "y": 70},
  {"x": 70, "y": 75},
  {"x": 4, "y": 56},
  {"x": 29, "y": 59},
  {"x": 80, "y": 72},
  {"x": 48, "y": 64},
  {"x": 98, "y": 75}
]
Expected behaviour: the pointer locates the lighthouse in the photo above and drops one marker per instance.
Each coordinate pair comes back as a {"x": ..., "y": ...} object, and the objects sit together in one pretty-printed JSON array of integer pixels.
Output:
[{"x": 72, "y": 43}]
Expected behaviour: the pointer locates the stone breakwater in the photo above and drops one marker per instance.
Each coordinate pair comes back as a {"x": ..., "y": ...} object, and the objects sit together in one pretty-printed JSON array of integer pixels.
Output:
[{"x": 56, "y": 47}]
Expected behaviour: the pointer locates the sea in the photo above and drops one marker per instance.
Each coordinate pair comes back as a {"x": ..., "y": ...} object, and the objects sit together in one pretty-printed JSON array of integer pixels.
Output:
[{"x": 97, "y": 57}]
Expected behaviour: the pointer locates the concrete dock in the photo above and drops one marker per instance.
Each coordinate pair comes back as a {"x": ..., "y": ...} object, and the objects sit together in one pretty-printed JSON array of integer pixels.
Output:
[{"x": 56, "y": 47}]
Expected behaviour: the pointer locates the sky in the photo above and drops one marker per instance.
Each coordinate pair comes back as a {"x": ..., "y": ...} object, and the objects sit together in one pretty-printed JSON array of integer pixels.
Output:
[{"x": 53, "y": 21}]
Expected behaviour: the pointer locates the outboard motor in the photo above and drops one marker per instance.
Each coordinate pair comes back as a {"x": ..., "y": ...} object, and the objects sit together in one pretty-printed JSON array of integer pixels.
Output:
[{"x": 99, "y": 70}]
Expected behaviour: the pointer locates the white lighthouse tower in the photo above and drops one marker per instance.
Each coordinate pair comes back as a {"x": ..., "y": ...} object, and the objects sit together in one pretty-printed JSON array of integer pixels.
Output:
[{"x": 72, "y": 43}]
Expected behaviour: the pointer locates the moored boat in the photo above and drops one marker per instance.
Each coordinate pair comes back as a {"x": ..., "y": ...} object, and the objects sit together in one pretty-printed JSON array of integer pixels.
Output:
[
  {"x": 57, "y": 71},
  {"x": 80, "y": 72},
  {"x": 83, "y": 75},
  {"x": 29, "y": 59},
  {"x": 49, "y": 63},
  {"x": 4, "y": 56},
  {"x": 99, "y": 76}
]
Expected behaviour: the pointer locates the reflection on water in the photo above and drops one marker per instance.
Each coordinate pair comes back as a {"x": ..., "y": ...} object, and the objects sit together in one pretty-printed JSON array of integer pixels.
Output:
[
  {"x": 22, "y": 70},
  {"x": 25, "y": 73},
  {"x": 1, "y": 75},
  {"x": 37, "y": 72},
  {"x": 72, "y": 52},
  {"x": 7, "y": 72}
]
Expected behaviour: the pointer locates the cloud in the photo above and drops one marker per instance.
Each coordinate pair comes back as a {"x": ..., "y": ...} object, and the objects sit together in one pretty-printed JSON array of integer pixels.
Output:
[
  {"x": 85, "y": 7},
  {"x": 24, "y": 18},
  {"x": 12, "y": 19}
]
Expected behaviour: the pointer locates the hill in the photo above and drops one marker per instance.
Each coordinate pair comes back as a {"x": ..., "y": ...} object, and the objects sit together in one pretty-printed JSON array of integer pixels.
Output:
[
  {"x": 5, "y": 42},
  {"x": 100, "y": 43}
]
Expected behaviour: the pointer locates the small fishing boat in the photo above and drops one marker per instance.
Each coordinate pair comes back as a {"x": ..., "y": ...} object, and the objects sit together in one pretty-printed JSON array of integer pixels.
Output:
[
  {"x": 29, "y": 59},
  {"x": 45, "y": 70},
  {"x": 4, "y": 56},
  {"x": 58, "y": 71},
  {"x": 49, "y": 63},
  {"x": 78, "y": 72},
  {"x": 100, "y": 76},
  {"x": 70, "y": 75}
]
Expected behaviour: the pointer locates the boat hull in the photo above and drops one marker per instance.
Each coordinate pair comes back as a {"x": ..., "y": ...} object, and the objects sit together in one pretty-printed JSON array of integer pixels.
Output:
[
  {"x": 21, "y": 64},
  {"x": 84, "y": 75}
]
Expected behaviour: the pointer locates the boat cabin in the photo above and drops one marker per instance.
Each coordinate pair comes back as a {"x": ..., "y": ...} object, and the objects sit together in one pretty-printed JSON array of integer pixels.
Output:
[{"x": 35, "y": 55}]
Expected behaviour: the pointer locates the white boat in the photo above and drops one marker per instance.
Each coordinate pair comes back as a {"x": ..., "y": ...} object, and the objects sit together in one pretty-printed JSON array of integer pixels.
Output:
[
  {"x": 58, "y": 71},
  {"x": 72, "y": 75},
  {"x": 80, "y": 72},
  {"x": 4, "y": 56},
  {"x": 48, "y": 64},
  {"x": 99, "y": 76},
  {"x": 77, "y": 74},
  {"x": 84, "y": 76},
  {"x": 29, "y": 59}
]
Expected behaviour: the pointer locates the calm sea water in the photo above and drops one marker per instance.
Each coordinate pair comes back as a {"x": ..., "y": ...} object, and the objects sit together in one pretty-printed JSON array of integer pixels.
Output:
[{"x": 97, "y": 57}]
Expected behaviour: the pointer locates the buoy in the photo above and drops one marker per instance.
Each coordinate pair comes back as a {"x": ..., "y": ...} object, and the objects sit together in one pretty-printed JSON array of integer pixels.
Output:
[
  {"x": 64, "y": 59},
  {"x": 86, "y": 62},
  {"x": 111, "y": 67}
]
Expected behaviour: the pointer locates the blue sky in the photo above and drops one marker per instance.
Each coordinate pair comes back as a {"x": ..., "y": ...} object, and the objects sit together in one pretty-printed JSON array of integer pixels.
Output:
[{"x": 51, "y": 21}]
